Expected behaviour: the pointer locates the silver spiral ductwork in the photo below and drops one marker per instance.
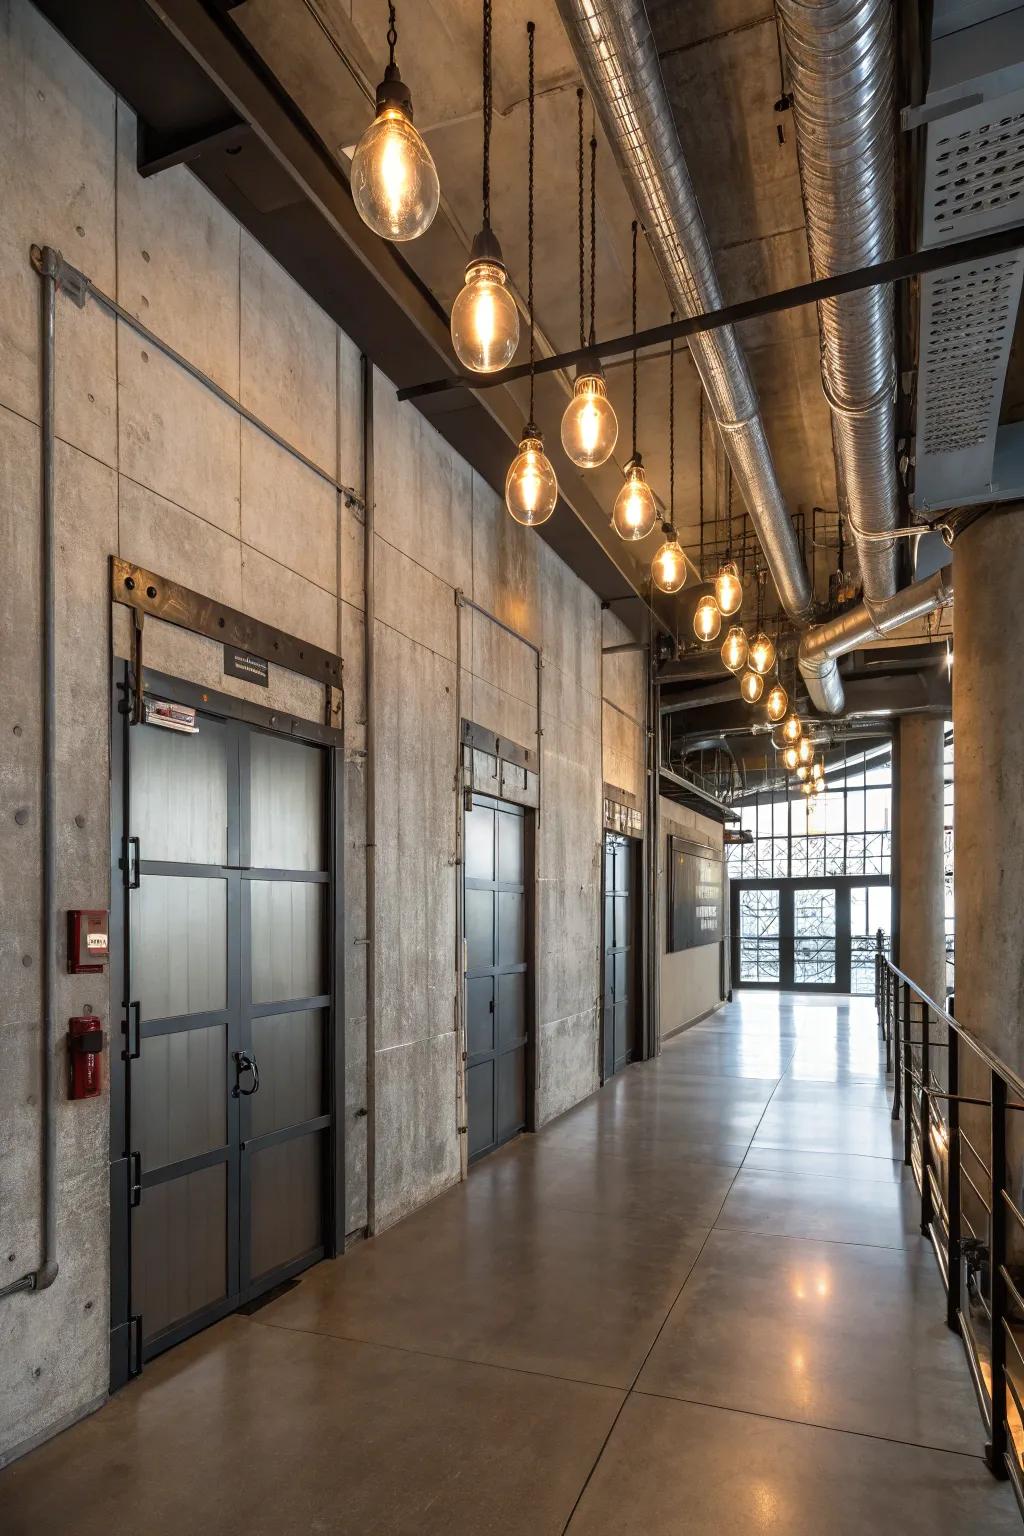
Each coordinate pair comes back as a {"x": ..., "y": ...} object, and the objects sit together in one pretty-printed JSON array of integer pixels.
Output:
[
  {"x": 615, "y": 49},
  {"x": 821, "y": 646},
  {"x": 842, "y": 72}
]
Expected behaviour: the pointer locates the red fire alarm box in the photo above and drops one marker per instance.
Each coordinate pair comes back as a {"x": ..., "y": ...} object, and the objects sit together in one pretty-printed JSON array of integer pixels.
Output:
[
  {"x": 88, "y": 941},
  {"x": 85, "y": 1042}
]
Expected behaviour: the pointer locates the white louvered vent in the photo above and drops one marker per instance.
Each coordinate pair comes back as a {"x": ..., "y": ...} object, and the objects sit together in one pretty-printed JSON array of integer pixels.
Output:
[{"x": 974, "y": 182}]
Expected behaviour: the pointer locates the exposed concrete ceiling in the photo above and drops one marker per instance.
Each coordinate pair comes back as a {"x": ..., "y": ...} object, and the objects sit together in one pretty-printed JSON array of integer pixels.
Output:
[{"x": 721, "y": 67}]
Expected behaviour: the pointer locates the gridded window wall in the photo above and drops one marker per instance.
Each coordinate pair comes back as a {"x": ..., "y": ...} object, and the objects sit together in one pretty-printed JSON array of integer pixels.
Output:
[{"x": 811, "y": 883}]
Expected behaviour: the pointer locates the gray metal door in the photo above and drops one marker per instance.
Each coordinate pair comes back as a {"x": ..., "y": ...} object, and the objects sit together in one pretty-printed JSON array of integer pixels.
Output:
[
  {"x": 620, "y": 991},
  {"x": 496, "y": 973},
  {"x": 229, "y": 1013}
]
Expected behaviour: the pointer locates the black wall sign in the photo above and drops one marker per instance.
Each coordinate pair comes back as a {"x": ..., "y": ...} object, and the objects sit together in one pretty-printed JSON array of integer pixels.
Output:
[
  {"x": 243, "y": 664},
  {"x": 694, "y": 895}
]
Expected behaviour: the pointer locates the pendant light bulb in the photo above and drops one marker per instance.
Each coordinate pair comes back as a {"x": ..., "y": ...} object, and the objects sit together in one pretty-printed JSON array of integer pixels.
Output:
[
  {"x": 818, "y": 770},
  {"x": 762, "y": 653},
  {"x": 393, "y": 177},
  {"x": 792, "y": 730},
  {"x": 807, "y": 788},
  {"x": 531, "y": 486},
  {"x": 635, "y": 511},
  {"x": 485, "y": 317},
  {"x": 805, "y": 750},
  {"x": 790, "y": 758},
  {"x": 729, "y": 588},
  {"x": 777, "y": 703},
  {"x": 818, "y": 785},
  {"x": 590, "y": 428},
  {"x": 734, "y": 649},
  {"x": 751, "y": 686},
  {"x": 707, "y": 619},
  {"x": 668, "y": 568}
]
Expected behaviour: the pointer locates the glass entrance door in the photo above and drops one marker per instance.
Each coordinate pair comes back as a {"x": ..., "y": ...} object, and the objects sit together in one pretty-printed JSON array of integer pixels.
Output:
[{"x": 812, "y": 935}]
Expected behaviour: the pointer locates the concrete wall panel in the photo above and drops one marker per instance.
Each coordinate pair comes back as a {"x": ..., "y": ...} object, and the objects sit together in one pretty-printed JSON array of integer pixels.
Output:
[
  {"x": 277, "y": 596},
  {"x": 413, "y": 601},
  {"x": 289, "y": 358},
  {"x": 56, "y": 188},
  {"x": 417, "y": 1144},
  {"x": 567, "y": 1063},
  {"x": 164, "y": 538},
  {"x": 176, "y": 438},
  {"x": 177, "y": 261},
  {"x": 288, "y": 511}
]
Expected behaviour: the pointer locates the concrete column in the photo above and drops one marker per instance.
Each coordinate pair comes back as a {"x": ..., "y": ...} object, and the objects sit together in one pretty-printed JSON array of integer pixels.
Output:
[
  {"x": 922, "y": 939},
  {"x": 988, "y": 732}
]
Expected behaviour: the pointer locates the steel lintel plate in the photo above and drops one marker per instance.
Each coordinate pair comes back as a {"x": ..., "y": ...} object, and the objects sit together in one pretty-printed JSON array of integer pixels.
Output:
[{"x": 149, "y": 593}]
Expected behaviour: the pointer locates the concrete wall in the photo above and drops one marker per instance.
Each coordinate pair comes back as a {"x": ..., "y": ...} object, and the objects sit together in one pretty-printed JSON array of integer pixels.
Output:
[
  {"x": 689, "y": 977},
  {"x": 150, "y": 465}
]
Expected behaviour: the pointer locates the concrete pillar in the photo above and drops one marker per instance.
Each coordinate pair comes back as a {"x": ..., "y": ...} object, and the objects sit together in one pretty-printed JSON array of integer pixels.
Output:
[
  {"x": 988, "y": 732},
  {"x": 922, "y": 938}
]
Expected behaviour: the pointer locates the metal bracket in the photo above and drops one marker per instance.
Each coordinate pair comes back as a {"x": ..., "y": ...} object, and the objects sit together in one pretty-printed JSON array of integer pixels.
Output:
[
  {"x": 145, "y": 592},
  {"x": 69, "y": 279},
  {"x": 921, "y": 116}
]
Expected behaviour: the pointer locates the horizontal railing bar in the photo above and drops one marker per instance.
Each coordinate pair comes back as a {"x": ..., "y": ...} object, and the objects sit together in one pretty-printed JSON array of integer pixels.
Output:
[
  {"x": 973, "y": 1365},
  {"x": 940, "y": 1015},
  {"x": 1012, "y": 1209},
  {"x": 1018, "y": 1300},
  {"x": 984, "y": 1203},
  {"x": 972, "y": 1149}
]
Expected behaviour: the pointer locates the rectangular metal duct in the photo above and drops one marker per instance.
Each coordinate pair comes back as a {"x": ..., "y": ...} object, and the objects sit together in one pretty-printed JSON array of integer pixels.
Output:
[{"x": 973, "y": 183}]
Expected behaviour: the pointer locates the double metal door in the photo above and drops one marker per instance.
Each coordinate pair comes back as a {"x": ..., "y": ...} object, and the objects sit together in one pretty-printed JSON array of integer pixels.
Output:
[
  {"x": 497, "y": 973},
  {"x": 810, "y": 935},
  {"x": 620, "y": 988},
  {"x": 227, "y": 1020}
]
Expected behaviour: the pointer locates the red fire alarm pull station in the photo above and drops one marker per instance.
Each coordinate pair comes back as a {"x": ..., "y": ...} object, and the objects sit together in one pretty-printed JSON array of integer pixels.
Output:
[
  {"x": 85, "y": 1042},
  {"x": 88, "y": 945}
]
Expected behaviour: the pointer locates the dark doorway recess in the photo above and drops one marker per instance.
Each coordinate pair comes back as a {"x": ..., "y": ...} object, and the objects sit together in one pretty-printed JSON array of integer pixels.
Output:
[
  {"x": 225, "y": 1151},
  {"x": 808, "y": 935},
  {"x": 620, "y": 1012},
  {"x": 498, "y": 885}
]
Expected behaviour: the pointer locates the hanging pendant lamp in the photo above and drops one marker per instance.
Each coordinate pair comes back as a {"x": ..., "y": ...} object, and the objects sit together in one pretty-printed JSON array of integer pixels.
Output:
[
  {"x": 531, "y": 486},
  {"x": 707, "y": 619},
  {"x": 668, "y": 568},
  {"x": 734, "y": 649},
  {"x": 393, "y": 178},
  {"x": 635, "y": 511},
  {"x": 485, "y": 317},
  {"x": 729, "y": 588},
  {"x": 751, "y": 686},
  {"x": 590, "y": 428},
  {"x": 777, "y": 703}
]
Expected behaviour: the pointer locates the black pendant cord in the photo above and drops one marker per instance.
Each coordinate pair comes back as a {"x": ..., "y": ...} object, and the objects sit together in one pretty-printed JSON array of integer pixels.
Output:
[
  {"x": 593, "y": 236},
  {"x": 392, "y": 36},
  {"x": 582, "y": 251},
  {"x": 670, "y": 527},
  {"x": 700, "y": 473},
  {"x": 488, "y": 112},
  {"x": 635, "y": 370},
  {"x": 530, "y": 30}
]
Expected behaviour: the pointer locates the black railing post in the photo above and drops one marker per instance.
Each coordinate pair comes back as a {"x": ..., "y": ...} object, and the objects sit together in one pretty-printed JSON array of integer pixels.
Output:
[
  {"x": 878, "y": 980},
  {"x": 995, "y": 1451},
  {"x": 895, "y": 1023},
  {"x": 908, "y": 1085},
  {"x": 926, "y": 1120},
  {"x": 953, "y": 1185}
]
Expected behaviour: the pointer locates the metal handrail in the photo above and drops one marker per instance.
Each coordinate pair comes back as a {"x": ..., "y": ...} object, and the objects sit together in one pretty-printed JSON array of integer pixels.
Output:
[{"x": 934, "y": 1148}]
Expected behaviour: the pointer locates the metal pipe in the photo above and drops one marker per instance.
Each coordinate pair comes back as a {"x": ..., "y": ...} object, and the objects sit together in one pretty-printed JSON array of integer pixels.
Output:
[
  {"x": 370, "y": 710},
  {"x": 842, "y": 70},
  {"x": 47, "y": 263},
  {"x": 615, "y": 49},
  {"x": 821, "y": 646}
]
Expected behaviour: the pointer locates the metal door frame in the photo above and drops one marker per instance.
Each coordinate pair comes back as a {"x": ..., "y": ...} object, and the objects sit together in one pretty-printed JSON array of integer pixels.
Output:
[
  {"x": 636, "y": 869},
  {"x": 125, "y": 1328},
  {"x": 471, "y": 798},
  {"x": 786, "y": 886}
]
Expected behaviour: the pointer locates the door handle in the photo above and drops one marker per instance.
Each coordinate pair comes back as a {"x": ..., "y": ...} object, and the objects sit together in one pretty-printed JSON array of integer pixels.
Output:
[{"x": 244, "y": 1063}]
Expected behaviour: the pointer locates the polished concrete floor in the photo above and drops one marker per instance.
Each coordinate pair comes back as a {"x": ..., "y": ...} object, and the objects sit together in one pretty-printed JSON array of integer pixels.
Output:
[{"x": 698, "y": 1303}]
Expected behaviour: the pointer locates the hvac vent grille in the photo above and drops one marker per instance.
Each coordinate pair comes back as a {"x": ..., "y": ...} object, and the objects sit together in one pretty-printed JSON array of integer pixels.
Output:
[
  {"x": 968, "y": 329},
  {"x": 977, "y": 171}
]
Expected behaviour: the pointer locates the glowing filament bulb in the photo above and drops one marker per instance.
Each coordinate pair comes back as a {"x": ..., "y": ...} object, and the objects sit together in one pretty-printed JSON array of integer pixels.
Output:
[
  {"x": 751, "y": 686},
  {"x": 707, "y": 620},
  {"x": 668, "y": 568},
  {"x": 777, "y": 702},
  {"x": 805, "y": 750},
  {"x": 635, "y": 512},
  {"x": 590, "y": 428},
  {"x": 734, "y": 649},
  {"x": 790, "y": 758},
  {"x": 531, "y": 487},
  {"x": 728, "y": 588},
  {"x": 762, "y": 653},
  {"x": 792, "y": 729}
]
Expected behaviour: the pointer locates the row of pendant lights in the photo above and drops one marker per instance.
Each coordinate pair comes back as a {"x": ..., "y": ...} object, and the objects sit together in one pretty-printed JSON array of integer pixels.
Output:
[
  {"x": 396, "y": 192},
  {"x": 798, "y": 757}
]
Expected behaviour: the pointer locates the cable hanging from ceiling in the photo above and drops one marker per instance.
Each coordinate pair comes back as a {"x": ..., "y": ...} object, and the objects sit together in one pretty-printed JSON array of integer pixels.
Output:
[
  {"x": 668, "y": 568},
  {"x": 635, "y": 511},
  {"x": 531, "y": 486},
  {"x": 393, "y": 177},
  {"x": 590, "y": 428},
  {"x": 485, "y": 316}
]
